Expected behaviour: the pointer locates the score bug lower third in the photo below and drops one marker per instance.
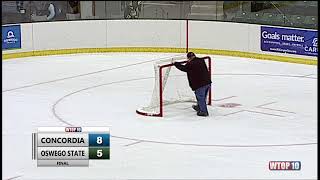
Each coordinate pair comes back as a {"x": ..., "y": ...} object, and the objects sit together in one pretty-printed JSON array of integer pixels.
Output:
[{"x": 70, "y": 146}]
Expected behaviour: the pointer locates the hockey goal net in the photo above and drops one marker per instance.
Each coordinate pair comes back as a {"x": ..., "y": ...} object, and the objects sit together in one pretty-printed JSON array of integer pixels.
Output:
[{"x": 170, "y": 86}]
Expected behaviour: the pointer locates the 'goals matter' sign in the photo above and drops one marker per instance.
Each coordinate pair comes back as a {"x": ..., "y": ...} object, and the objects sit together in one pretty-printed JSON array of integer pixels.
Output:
[{"x": 292, "y": 41}]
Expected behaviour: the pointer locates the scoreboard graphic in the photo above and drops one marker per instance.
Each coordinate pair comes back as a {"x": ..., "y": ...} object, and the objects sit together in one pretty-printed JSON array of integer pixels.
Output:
[{"x": 70, "y": 146}]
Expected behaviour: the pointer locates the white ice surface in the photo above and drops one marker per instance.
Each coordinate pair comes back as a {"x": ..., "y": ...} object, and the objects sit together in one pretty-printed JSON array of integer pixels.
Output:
[{"x": 179, "y": 145}]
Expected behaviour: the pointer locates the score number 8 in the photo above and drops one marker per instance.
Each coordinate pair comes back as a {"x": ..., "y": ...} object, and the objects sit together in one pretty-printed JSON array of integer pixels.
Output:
[{"x": 99, "y": 141}]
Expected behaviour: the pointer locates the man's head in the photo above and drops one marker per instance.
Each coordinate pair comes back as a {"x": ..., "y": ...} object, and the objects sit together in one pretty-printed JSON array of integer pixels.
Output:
[{"x": 190, "y": 56}]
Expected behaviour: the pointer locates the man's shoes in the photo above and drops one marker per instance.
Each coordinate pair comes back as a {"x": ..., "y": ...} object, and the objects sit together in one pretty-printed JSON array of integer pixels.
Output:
[
  {"x": 200, "y": 113},
  {"x": 196, "y": 108}
]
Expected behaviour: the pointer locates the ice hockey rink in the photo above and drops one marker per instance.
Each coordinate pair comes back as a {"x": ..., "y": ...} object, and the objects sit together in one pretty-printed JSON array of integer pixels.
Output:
[{"x": 275, "y": 120}]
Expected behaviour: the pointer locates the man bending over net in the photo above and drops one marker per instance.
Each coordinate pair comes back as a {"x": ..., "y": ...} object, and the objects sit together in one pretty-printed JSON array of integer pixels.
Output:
[{"x": 199, "y": 80}]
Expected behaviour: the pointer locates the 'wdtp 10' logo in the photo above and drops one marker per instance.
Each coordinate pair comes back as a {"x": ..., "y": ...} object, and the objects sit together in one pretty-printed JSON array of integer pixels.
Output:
[{"x": 285, "y": 165}]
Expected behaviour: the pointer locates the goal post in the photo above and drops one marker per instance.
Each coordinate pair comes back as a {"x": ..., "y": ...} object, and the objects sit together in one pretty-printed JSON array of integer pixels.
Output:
[{"x": 171, "y": 86}]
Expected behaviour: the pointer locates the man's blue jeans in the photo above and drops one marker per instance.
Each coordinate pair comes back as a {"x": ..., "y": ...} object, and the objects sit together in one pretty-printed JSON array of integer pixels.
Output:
[{"x": 201, "y": 95}]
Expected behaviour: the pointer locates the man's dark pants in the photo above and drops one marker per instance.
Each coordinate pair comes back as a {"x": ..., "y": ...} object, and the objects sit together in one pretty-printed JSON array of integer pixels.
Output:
[{"x": 201, "y": 95}]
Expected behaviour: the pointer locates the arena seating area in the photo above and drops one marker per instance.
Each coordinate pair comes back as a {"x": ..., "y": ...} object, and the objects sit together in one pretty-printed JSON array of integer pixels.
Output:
[{"x": 301, "y": 14}]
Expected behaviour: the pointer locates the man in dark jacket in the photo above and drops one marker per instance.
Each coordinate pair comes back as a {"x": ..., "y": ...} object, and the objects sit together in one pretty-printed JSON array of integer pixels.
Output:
[{"x": 199, "y": 80}]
